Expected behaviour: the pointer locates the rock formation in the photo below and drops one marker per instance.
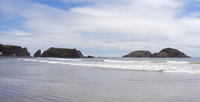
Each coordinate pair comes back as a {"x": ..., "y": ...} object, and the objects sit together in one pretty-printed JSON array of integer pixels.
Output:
[
  {"x": 139, "y": 54},
  {"x": 62, "y": 53},
  {"x": 171, "y": 53},
  {"x": 38, "y": 54},
  {"x": 160, "y": 55},
  {"x": 89, "y": 56},
  {"x": 165, "y": 53},
  {"x": 11, "y": 50}
]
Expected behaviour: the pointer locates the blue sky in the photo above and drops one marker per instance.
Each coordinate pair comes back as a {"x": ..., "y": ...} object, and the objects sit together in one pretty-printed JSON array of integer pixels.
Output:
[{"x": 102, "y": 27}]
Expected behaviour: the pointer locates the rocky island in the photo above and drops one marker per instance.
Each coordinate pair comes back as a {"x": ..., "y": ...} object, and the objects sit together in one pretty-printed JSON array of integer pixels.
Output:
[
  {"x": 12, "y": 50},
  {"x": 59, "y": 53},
  {"x": 165, "y": 53}
]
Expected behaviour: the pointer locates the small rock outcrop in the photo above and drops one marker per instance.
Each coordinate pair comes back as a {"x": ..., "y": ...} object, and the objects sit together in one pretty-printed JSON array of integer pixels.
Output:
[
  {"x": 38, "y": 54},
  {"x": 89, "y": 56},
  {"x": 165, "y": 53},
  {"x": 139, "y": 54},
  {"x": 11, "y": 50},
  {"x": 62, "y": 53}
]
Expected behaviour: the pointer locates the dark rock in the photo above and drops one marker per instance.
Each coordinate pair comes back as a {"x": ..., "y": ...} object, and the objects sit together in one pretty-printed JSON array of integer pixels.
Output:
[
  {"x": 160, "y": 55},
  {"x": 173, "y": 53},
  {"x": 139, "y": 54},
  {"x": 89, "y": 56},
  {"x": 25, "y": 52},
  {"x": 62, "y": 53},
  {"x": 11, "y": 50},
  {"x": 165, "y": 53},
  {"x": 38, "y": 54}
]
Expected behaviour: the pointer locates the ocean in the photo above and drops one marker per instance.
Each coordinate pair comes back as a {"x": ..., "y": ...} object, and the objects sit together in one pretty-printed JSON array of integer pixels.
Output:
[{"x": 99, "y": 80}]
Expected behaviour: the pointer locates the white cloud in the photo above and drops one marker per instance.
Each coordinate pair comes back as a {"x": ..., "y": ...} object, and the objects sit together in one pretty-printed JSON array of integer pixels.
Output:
[{"x": 123, "y": 25}]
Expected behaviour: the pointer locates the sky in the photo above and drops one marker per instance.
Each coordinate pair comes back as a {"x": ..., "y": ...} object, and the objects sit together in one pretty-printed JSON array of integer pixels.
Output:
[{"x": 107, "y": 28}]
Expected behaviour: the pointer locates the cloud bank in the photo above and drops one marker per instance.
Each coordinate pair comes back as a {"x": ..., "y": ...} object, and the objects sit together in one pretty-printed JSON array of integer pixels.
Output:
[{"x": 101, "y": 26}]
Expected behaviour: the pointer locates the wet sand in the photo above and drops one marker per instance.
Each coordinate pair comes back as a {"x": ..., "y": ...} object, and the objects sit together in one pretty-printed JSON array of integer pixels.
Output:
[{"x": 42, "y": 82}]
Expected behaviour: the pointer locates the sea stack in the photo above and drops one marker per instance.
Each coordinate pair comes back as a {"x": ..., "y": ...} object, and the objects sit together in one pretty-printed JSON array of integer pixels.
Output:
[
  {"x": 89, "y": 56},
  {"x": 164, "y": 53},
  {"x": 62, "y": 53},
  {"x": 11, "y": 50},
  {"x": 170, "y": 53},
  {"x": 38, "y": 54}
]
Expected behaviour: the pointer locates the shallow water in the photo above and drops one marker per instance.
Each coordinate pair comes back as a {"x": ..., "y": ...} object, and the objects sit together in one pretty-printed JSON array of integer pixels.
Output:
[{"x": 95, "y": 80}]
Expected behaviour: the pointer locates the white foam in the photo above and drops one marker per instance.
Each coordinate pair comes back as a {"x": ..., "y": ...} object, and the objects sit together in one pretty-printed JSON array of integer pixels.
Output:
[
  {"x": 65, "y": 59},
  {"x": 52, "y": 62},
  {"x": 195, "y": 62},
  {"x": 117, "y": 61},
  {"x": 182, "y": 71},
  {"x": 148, "y": 61},
  {"x": 30, "y": 60},
  {"x": 162, "y": 66},
  {"x": 177, "y": 62}
]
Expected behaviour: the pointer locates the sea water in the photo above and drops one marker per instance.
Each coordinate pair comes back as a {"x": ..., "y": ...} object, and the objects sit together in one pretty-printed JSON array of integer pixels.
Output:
[{"x": 99, "y": 80}]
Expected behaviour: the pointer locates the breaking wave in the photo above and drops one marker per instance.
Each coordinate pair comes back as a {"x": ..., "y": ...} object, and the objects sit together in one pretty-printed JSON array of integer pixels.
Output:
[
  {"x": 166, "y": 66},
  {"x": 157, "y": 61}
]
